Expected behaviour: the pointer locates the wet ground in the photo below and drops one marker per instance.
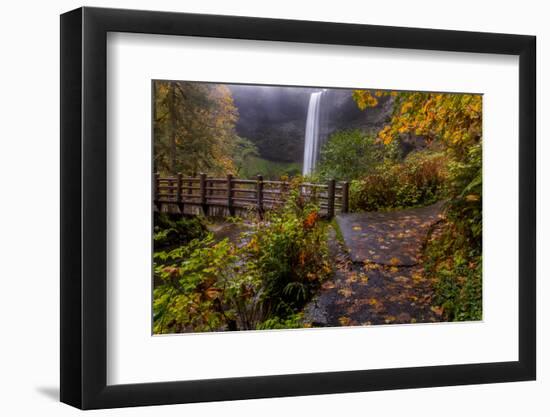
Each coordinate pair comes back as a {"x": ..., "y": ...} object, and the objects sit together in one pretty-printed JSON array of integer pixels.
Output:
[
  {"x": 232, "y": 231},
  {"x": 379, "y": 277},
  {"x": 388, "y": 238}
]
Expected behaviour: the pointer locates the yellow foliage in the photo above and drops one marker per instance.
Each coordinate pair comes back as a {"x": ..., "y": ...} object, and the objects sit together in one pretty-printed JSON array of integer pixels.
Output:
[
  {"x": 344, "y": 321},
  {"x": 454, "y": 119}
]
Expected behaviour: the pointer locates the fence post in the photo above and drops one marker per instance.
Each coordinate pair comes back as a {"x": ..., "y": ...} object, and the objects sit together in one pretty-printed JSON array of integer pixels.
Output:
[
  {"x": 283, "y": 192},
  {"x": 179, "y": 194},
  {"x": 260, "y": 195},
  {"x": 331, "y": 196},
  {"x": 190, "y": 188},
  {"x": 156, "y": 190},
  {"x": 345, "y": 197},
  {"x": 230, "y": 195},
  {"x": 204, "y": 206}
]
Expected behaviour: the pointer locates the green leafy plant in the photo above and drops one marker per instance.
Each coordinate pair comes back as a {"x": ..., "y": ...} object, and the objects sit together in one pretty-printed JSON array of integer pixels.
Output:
[
  {"x": 173, "y": 230},
  {"x": 464, "y": 192},
  {"x": 350, "y": 154},
  {"x": 205, "y": 285},
  {"x": 418, "y": 180},
  {"x": 293, "y": 321},
  {"x": 456, "y": 271},
  {"x": 290, "y": 251},
  {"x": 454, "y": 257}
]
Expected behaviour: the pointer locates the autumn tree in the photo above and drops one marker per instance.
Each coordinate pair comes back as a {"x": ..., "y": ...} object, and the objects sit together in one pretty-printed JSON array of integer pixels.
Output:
[
  {"x": 194, "y": 127},
  {"x": 453, "y": 119}
]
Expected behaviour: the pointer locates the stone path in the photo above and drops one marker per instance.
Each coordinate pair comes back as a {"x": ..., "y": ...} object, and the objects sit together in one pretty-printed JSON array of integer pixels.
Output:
[
  {"x": 379, "y": 278},
  {"x": 388, "y": 238}
]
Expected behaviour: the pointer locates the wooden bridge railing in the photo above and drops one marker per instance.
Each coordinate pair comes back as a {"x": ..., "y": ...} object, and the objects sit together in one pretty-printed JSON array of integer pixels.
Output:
[{"x": 232, "y": 194}]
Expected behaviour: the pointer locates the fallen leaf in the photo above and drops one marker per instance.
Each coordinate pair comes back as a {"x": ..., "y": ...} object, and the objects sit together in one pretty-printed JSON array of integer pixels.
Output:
[
  {"x": 344, "y": 321},
  {"x": 213, "y": 293},
  {"x": 437, "y": 310},
  {"x": 346, "y": 292},
  {"x": 352, "y": 277},
  {"x": 394, "y": 261},
  {"x": 329, "y": 285},
  {"x": 418, "y": 277}
]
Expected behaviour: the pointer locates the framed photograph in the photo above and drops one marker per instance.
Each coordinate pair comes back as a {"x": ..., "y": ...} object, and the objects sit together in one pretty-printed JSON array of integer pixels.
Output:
[{"x": 257, "y": 208}]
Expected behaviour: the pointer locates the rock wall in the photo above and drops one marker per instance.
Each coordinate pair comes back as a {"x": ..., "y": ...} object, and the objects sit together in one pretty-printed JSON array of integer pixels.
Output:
[{"x": 274, "y": 118}]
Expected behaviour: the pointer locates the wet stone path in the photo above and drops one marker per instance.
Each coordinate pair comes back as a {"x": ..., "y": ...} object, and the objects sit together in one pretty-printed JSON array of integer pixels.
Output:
[{"x": 379, "y": 277}]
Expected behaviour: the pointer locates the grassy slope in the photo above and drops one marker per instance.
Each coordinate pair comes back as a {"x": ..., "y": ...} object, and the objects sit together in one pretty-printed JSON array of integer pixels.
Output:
[{"x": 269, "y": 169}]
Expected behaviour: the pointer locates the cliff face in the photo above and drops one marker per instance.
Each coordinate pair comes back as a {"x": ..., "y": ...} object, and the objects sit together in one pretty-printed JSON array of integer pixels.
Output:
[
  {"x": 274, "y": 118},
  {"x": 342, "y": 112}
]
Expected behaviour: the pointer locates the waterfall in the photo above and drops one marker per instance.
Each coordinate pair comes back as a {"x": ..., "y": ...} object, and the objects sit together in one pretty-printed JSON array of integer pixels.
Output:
[{"x": 311, "y": 147}]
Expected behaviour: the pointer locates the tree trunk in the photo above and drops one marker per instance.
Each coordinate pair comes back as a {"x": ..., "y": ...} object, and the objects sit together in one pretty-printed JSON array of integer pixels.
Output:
[{"x": 172, "y": 107}]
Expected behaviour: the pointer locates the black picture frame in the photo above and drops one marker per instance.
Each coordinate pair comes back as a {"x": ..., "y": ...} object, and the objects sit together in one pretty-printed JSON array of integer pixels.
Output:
[{"x": 84, "y": 207}]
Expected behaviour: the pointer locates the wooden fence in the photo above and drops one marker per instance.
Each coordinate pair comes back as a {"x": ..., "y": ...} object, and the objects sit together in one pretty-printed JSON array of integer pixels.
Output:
[{"x": 231, "y": 196}]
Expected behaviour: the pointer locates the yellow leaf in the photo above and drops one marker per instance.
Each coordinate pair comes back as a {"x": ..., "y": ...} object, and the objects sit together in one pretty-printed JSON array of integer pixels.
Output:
[
  {"x": 437, "y": 310},
  {"x": 344, "y": 321},
  {"x": 394, "y": 261},
  {"x": 352, "y": 277},
  {"x": 418, "y": 277},
  {"x": 346, "y": 292}
]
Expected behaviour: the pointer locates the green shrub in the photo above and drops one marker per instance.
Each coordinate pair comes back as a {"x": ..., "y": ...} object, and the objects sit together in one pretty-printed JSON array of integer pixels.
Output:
[
  {"x": 418, "y": 180},
  {"x": 454, "y": 258},
  {"x": 350, "y": 154},
  {"x": 456, "y": 271},
  {"x": 293, "y": 321},
  {"x": 291, "y": 254},
  {"x": 170, "y": 230},
  {"x": 206, "y": 285},
  {"x": 464, "y": 192}
]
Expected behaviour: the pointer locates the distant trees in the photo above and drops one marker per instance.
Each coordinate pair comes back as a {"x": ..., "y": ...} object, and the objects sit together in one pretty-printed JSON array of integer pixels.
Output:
[
  {"x": 243, "y": 151},
  {"x": 194, "y": 128},
  {"x": 347, "y": 154}
]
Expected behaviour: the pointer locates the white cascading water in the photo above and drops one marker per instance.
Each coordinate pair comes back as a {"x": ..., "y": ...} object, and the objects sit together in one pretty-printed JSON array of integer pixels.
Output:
[{"x": 311, "y": 147}]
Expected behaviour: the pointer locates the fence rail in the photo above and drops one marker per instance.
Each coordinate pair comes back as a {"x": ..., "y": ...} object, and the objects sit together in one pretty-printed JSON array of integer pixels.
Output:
[{"x": 231, "y": 195}]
